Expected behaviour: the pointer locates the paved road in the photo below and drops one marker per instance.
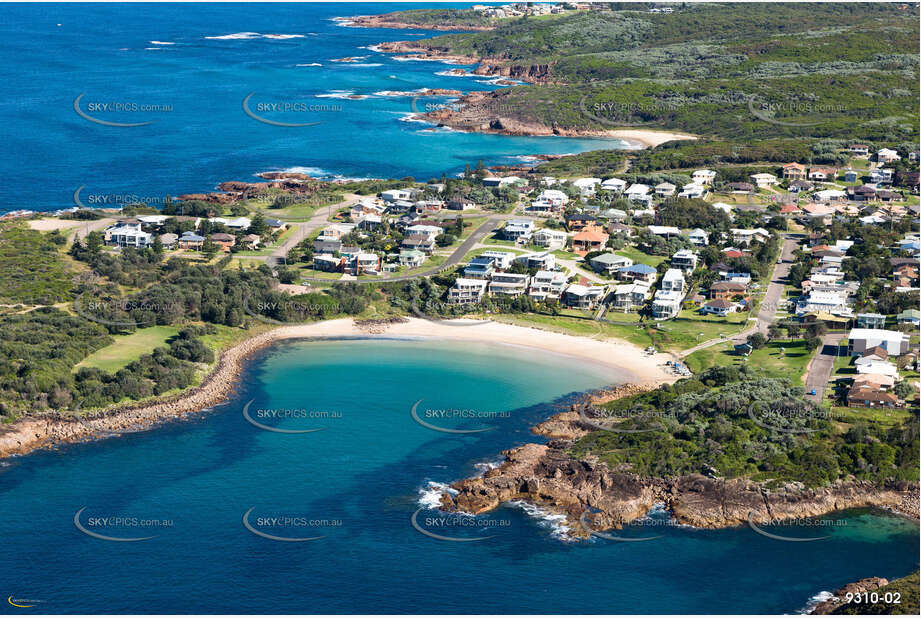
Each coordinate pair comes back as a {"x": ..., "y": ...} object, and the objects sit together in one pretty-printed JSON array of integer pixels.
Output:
[
  {"x": 453, "y": 260},
  {"x": 819, "y": 370},
  {"x": 769, "y": 304}
]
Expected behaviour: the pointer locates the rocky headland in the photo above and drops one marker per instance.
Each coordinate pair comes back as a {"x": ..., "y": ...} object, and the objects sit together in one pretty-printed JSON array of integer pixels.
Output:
[{"x": 548, "y": 476}]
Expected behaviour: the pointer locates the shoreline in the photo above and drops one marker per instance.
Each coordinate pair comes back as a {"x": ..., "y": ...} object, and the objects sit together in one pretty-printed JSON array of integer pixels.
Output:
[{"x": 34, "y": 433}]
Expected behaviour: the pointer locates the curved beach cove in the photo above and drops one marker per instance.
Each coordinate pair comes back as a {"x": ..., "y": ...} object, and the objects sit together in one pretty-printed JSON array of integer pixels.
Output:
[{"x": 357, "y": 483}]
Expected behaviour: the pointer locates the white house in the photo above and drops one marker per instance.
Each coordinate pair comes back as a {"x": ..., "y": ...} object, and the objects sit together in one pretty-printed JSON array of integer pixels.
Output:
[
  {"x": 509, "y": 284},
  {"x": 614, "y": 184},
  {"x": 547, "y": 284},
  {"x": 666, "y": 305},
  {"x": 693, "y": 191},
  {"x": 630, "y": 296},
  {"x": 829, "y": 195},
  {"x": 664, "y": 230},
  {"x": 128, "y": 235},
  {"x": 552, "y": 239},
  {"x": 703, "y": 177},
  {"x": 238, "y": 223},
  {"x": 665, "y": 189},
  {"x": 862, "y": 339},
  {"x": 395, "y": 195},
  {"x": 684, "y": 260},
  {"x": 609, "y": 262},
  {"x": 429, "y": 231},
  {"x": 745, "y": 237},
  {"x": 583, "y": 297},
  {"x": 501, "y": 259},
  {"x": 467, "y": 291},
  {"x": 672, "y": 281},
  {"x": 586, "y": 185},
  {"x": 887, "y": 155},
  {"x": 699, "y": 237},
  {"x": 518, "y": 229},
  {"x": 637, "y": 192},
  {"x": 554, "y": 197},
  {"x": 763, "y": 180}
]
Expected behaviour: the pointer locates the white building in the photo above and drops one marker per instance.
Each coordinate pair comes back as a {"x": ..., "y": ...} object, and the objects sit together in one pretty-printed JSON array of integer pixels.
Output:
[
  {"x": 703, "y": 177},
  {"x": 467, "y": 291},
  {"x": 672, "y": 281},
  {"x": 396, "y": 195},
  {"x": 128, "y": 235},
  {"x": 500, "y": 259},
  {"x": 862, "y": 339},
  {"x": 699, "y": 237},
  {"x": 552, "y": 239},
  {"x": 684, "y": 260},
  {"x": 763, "y": 180},
  {"x": 614, "y": 184},
  {"x": 547, "y": 284}
]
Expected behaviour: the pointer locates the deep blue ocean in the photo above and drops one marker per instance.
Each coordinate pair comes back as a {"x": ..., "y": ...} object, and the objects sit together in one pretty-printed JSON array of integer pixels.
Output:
[
  {"x": 186, "y": 69},
  {"x": 357, "y": 484}
]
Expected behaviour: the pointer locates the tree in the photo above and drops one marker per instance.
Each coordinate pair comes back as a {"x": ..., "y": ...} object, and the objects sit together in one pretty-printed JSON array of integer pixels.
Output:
[
  {"x": 792, "y": 329},
  {"x": 903, "y": 389},
  {"x": 813, "y": 343},
  {"x": 757, "y": 340},
  {"x": 773, "y": 331},
  {"x": 209, "y": 249},
  {"x": 158, "y": 248},
  {"x": 258, "y": 225}
]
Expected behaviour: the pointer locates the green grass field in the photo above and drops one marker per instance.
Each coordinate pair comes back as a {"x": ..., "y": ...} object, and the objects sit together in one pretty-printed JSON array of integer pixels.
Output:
[
  {"x": 128, "y": 348},
  {"x": 790, "y": 364},
  {"x": 639, "y": 257}
]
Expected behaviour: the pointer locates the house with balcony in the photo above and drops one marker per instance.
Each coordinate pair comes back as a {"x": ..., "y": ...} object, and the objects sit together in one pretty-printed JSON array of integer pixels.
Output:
[
  {"x": 128, "y": 235},
  {"x": 480, "y": 268},
  {"x": 551, "y": 239},
  {"x": 672, "y": 281},
  {"x": 502, "y": 260},
  {"x": 637, "y": 272},
  {"x": 509, "y": 284},
  {"x": 684, "y": 260},
  {"x": 583, "y": 297},
  {"x": 547, "y": 285},
  {"x": 608, "y": 263},
  {"x": 589, "y": 239},
  {"x": 467, "y": 291},
  {"x": 631, "y": 296},
  {"x": 518, "y": 230},
  {"x": 666, "y": 304},
  {"x": 665, "y": 189},
  {"x": 614, "y": 184},
  {"x": 704, "y": 177},
  {"x": 794, "y": 171}
]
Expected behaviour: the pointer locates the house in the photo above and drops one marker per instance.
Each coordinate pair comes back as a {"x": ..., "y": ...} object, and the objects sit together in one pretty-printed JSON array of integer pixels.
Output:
[
  {"x": 467, "y": 291},
  {"x": 822, "y": 174},
  {"x": 747, "y": 236},
  {"x": 226, "y": 241},
  {"x": 366, "y": 263},
  {"x": 128, "y": 235},
  {"x": 630, "y": 296},
  {"x": 763, "y": 181},
  {"x": 637, "y": 193},
  {"x": 519, "y": 230},
  {"x": 237, "y": 224},
  {"x": 699, "y": 237},
  {"x": 430, "y": 231},
  {"x": 863, "y": 193},
  {"x": 830, "y": 195},
  {"x": 589, "y": 239},
  {"x": 492, "y": 181},
  {"x": 693, "y": 191},
  {"x": 727, "y": 290},
  {"x": 887, "y": 155},
  {"x": 799, "y": 186},
  {"x": 190, "y": 240},
  {"x": 327, "y": 246},
  {"x": 509, "y": 284},
  {"x": 547, "y": 284},
  {"x": 666, "y": 305},
  {"x": 609, "y": 262},
  {"x": 859, "y": 150},
  {"x": 672, "y": 281},
  {"x": 909, "y": 316},
  {"x": 871, "y": 320},
  {"x": 397, "y": 195},
  {"x": 554, "y": 197},
  {"x": 502, "y": 260},
  {"x": 552, "y": 239},
  {"x": 168, "y": 241},
  {"x": 637, "y": 272},
  {"x": 794, "y": 171},
  {"x": 252, "y": 241},
  {"x": 586, "y": 185},
  {"x": 580, "y": 221},
  {"x": 861, "y": 339},
  {"x": 583, "y": 297},
  {"x": 850, "y": 175},
  {"x": 614, "y": 184},
  {"x": 460, "y": 202},
  {"x": 665, "y": 189},
  {"x": 619, "y": 229},
  {"x": 664, "y": 230},
  {"x": 703, "y": 177},
  {"x": 613, "y": 214},
  {"x": 718, "y": 307},
  {"x": 327, "y": 263},
  {"x": 419, "y": 242},
  {"x": 866, "y": 397},
  {"x": 539, "y": 261},
  {"x": 741, "y": 187},
  {"x": 876, "y": 367},
  {"x": 832, "y": 302},
  {"x": 411, "y": 258},
  {"x": 882, "y": 175},
  {"x": 480, "y": 268},
  {"x": 684, "y": 260}
]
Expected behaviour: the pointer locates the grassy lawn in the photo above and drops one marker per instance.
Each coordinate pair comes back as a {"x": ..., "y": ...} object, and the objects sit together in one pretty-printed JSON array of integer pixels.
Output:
[
  {"x": 691, "y": 328},
  {"x": 128, "y": 348},
  {"x": 639, "y": 257},
  {"x": 790, "y": 364},
  {"x": 490, "y": 240},
  {"x": 583, "y": 326}
]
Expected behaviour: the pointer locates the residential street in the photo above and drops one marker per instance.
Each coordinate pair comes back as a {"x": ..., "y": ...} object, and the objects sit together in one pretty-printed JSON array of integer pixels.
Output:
[{"x": 820, "y": 368}]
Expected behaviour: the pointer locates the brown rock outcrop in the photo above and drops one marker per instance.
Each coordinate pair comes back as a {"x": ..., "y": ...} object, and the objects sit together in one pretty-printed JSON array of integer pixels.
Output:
[{"x": 868, "y": 584}]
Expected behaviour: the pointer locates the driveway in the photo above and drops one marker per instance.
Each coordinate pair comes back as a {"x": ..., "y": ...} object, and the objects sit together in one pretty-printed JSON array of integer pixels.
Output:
[{"x": 819, "y": 370}]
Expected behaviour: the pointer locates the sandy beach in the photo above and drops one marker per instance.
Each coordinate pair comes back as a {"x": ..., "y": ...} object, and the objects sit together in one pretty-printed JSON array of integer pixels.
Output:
[
  {"x": 649, "y": 139},
  {"x": 627, "y": 363}
]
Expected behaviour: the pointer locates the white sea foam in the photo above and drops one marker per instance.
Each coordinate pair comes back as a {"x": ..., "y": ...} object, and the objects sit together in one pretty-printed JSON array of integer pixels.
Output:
[
  {"x": 448, "y": 73},
  {"x": 814, "y": 600},
  {"x": 309, "y": 64},
  {"x": 554, "y": 521},
  {"x": 363, "y": 64},
  {"x": 243, "y": 36},
  {"x": 342, "y": 94},
  {"x": 161, "y": 42},
  {"x": 430, "y": 494},
  {"x": 485, "y": 466}
]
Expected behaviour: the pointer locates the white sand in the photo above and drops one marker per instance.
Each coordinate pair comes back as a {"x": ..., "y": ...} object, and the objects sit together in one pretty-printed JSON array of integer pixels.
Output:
[
  {"x": 629, "y": 361},
  {"x": 648, "y": 138}
]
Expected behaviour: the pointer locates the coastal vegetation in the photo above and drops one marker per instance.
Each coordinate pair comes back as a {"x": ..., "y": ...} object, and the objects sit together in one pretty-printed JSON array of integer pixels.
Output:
[{"x": 734, "y": 422}]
